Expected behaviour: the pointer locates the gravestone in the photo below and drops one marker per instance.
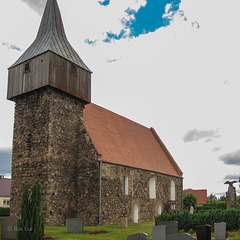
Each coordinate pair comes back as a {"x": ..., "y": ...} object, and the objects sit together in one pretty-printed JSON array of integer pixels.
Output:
[
  {"x": 172, "y": 227},
  {"x": 220, "y": 230},
  {"x": 203, "y": 232},
  {"x": 9, "y": 228},
  {"x": 124, "y": 222},
  {"x": 138, "y": 236},
  {"x": 74, "y": 225},
  {"x": 182, "y": 236},
  {"x": 159, "y": 232}
]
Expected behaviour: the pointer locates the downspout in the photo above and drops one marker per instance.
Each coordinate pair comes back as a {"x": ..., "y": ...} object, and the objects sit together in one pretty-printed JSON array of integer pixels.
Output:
[{"x": 100, "y": 189}]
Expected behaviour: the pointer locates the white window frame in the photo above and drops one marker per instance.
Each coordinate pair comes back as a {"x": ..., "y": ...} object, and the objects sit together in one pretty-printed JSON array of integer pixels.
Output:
[
  {"x": 125, "y": 185},
  {"x": 135, "y": 213},
  {"x": 152, "y": 188},
  {"x": 173, "y": 194},
  {"x": 6, "y": 203}
]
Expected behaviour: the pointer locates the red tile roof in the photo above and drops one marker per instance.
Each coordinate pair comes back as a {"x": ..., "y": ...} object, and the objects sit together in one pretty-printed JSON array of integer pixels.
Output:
[
  {"x": 201, "y": 195},
  {"x": 124, "y": 142},
  {"x": 5, "y": 187}
]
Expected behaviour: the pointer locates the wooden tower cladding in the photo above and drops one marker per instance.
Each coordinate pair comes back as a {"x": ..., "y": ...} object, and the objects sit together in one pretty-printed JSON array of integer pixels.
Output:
[
  {"x": 49, "y": 69},
  {"x": 50, "y": 85}
]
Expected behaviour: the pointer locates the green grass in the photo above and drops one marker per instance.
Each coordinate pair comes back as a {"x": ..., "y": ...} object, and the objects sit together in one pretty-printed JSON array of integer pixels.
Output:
[{"x": 115, "y": 232}]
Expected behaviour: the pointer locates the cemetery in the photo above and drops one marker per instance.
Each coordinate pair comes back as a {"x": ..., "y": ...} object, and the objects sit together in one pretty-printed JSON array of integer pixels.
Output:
[
  {"x": 111, "y": 199},
  {"x": 215, "y": 224}
]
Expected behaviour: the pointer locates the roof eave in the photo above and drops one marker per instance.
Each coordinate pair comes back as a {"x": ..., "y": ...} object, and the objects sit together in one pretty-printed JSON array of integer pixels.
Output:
[{"x": 174, "y": 163}]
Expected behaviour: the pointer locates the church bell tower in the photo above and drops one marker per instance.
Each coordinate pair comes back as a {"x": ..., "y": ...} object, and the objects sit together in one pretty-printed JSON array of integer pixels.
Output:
[{"x": 50, "y": 85}]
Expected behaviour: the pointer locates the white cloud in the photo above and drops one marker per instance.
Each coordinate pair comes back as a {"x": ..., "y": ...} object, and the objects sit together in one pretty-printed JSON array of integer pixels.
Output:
[
  {"x": 232, "y": 158},
  {"x": 195, "y": 135}
]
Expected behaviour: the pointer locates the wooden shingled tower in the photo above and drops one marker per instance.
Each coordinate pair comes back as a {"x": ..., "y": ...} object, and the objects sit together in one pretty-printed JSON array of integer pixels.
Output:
[{"x": 50, "y": 85}]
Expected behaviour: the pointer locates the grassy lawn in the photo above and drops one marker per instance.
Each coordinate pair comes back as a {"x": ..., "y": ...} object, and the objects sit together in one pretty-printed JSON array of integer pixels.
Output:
[{"x": 115, "y": 232}]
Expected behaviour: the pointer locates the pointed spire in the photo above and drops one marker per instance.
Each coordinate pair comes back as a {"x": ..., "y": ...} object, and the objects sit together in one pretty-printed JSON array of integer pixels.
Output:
[{"x": 51, "y": 37}]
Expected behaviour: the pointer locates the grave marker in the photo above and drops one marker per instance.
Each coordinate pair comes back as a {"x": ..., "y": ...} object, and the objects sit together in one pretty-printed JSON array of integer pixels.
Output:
[
  {"x": 204, "y": 232},
  {"x": 172, "y": 226},
  {"x": 220, "y": 230},
  {"x": 9, "y": 228},
  {"x": 138, "y": 236},
  {"x": 74, "y": 225}
]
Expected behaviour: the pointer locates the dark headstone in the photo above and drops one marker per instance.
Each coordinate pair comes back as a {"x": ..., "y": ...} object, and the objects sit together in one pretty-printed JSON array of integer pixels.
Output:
[
  {"x": 9, "y": 228},
  {"x": 203, "y": 232},
  {"x": 74, "y": 225},
  {"x": 172, "y": 226},
  {"x": 138, "y": 236}
]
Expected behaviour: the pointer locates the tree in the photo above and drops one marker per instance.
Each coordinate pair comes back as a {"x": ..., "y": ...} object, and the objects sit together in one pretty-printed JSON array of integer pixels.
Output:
[
  {"x": 23, "y": 223},
  {"x": 31, "y": 226},
  {"x": 222, "y": 198},
  {"x": 211, "y": 199},
  {"x": 189, "y": 200}
]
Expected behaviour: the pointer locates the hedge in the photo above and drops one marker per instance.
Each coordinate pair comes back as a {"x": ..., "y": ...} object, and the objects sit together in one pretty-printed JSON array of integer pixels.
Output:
[
  {"x": 207, "y": 207},
  {"x": 4, "y": 211},
  {"x": 188, "y": 221}
]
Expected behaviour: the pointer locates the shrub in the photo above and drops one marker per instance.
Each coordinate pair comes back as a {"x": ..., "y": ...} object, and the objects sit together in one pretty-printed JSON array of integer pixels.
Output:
[
  {"x": 31, "y": 226},
  {"x": 188, "y": 221},
  {"x": 4, "y": 211},
  {"x": 189, "y": 200}
]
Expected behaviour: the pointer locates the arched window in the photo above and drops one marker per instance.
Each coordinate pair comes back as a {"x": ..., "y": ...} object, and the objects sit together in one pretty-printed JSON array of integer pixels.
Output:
[
  {"x": 125, "y": 185},
  {"x": 152, "y": 188},
  {"x": 135, "y": 213},
  {"x": 173, "y": 191},
  {"x": 159, "y": 209}
]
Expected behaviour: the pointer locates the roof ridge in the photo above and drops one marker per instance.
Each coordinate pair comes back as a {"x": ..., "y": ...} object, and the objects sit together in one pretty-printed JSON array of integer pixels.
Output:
[{"x": 121, "y": 116}]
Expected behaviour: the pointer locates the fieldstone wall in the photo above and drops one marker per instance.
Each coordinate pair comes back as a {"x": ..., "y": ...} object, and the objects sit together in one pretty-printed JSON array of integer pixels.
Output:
[
  {"x": 138, "y": 193},
  {"x": 50, "y": 143}
]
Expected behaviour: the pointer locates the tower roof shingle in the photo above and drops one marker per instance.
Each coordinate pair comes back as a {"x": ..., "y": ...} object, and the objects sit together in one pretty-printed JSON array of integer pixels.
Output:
[{"x": 51, "y": 37}]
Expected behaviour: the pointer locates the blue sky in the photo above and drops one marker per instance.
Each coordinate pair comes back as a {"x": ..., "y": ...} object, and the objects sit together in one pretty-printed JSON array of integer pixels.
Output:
[
  {"x": 154, "y": 15},
  {"x": 171, "y": 65}
]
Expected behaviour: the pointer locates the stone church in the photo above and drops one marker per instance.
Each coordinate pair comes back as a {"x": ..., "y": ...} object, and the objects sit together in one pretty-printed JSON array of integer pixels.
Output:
[{"x": 92, "y": 163}]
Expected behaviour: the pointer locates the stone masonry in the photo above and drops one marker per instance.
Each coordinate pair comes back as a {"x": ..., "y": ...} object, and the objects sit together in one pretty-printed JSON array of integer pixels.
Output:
[
  {"x": 138, "y": 193},
  {"x": 50, "y": 143}
]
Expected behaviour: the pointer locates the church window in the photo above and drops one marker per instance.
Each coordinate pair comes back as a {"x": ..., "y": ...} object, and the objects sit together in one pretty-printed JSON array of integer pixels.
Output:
[
  {"x": 152, "y": 188},
  {"x": 172, "y": 190},
  {"x": 159, "y": 209},
  {"x": 73, "y": 69},
  {"x": 27, "y": 67},
  {"x": 135, "y": 213},
  {"x": 125, "y": 185}
]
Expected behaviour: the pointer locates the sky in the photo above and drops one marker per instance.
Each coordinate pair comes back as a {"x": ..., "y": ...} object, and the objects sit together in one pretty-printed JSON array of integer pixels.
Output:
[{"x": 168, "y": 64}]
